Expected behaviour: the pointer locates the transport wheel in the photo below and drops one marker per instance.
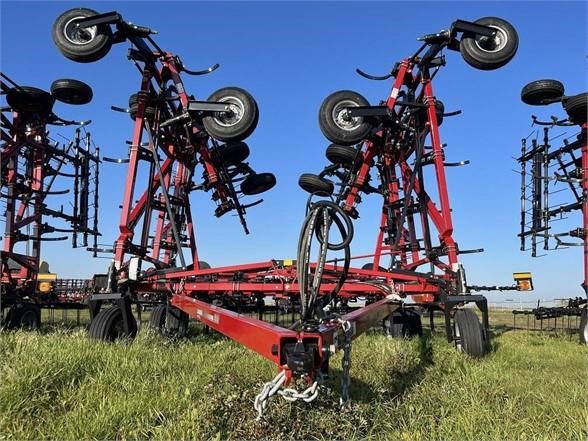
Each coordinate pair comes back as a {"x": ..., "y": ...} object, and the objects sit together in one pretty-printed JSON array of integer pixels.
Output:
[
  {"x": 343, "y": 155},
  {"x": 404, "y": 324},
  {"x": 29, "y": 100},
  {"x": 488, "y": 53},
  {"x": 315, "y": 184},
  {"x": 584, "y": 327},
  {"x": 537, "y": 92},
  {"x": 157, "y": 318},
  {"x": 576, "y": 107},
  {"x": 108, "y": 325},
  {"x": 201, "y": 264},
  {"x": 237, "y": 124},
  {"x": 334, "y": 122},
  {"x": 71, "y": 91},
  {"x": 257, "y": 183},
  {"x": 83, "y": 45},
  {"x": 370, "y": 266},
  {"x": 468, "y": 333},
  {"x": 439, "y": 111},
  {"x": 233, "y": 153},
  {"x": 25, "y": 316},
  {"x": 176, "y": 323},
  {"x": 149, "y": 112}
]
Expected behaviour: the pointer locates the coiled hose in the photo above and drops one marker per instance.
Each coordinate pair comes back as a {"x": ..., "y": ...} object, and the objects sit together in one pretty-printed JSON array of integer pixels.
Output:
[{"x": 319, "y": 219}]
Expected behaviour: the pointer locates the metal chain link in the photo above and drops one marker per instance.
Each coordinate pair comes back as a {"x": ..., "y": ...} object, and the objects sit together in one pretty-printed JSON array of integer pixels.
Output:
[
  {"x": 289, "y": 394},
  {"x": 268, "y": 389},
  {"x": 346, "y": 362}
]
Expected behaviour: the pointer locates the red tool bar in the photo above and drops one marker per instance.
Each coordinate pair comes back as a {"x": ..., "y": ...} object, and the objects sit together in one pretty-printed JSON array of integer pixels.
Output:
[{"x": 264, "y": 338}]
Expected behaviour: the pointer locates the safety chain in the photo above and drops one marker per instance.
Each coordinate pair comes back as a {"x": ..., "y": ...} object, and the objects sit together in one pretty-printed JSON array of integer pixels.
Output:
[
  {"x": 289, "y": 394},
  {"x": 346, "y": 362}
]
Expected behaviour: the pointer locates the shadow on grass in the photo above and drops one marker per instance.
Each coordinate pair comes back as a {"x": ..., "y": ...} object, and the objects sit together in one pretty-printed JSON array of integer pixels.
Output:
[{"x": 400, "y": 379}]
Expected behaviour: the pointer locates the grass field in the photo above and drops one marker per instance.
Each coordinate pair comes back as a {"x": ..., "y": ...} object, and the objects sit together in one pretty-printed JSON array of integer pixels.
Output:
[{"x": 59, "y": 385}]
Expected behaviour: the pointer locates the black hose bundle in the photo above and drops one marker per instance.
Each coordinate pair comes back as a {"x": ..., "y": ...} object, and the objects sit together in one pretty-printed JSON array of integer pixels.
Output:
[{"x": 320, "y": 216}]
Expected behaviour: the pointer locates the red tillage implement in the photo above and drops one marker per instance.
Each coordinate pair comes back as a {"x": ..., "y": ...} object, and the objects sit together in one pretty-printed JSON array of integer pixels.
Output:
[{"x": 175, "y": 133}]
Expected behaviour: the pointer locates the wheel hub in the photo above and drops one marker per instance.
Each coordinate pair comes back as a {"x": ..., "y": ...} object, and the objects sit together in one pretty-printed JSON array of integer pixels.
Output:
[
  {"x": 492, "y": 44},
  {"x": 341, "y": 116},
  {"x": 78, "y": 35},
  {"x": 234, "y": 114}
]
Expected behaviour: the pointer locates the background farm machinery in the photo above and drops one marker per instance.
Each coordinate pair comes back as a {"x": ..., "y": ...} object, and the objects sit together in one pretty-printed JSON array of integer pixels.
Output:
[
  {"x": 175, "y": 134},
  {"x": 31, "y": 163},
  {"x": 565, "y": 167}
]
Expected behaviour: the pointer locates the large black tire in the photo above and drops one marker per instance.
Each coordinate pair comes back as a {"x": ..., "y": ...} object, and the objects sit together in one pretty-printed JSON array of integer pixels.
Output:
[
  {"x": 157, "y": 318},
  {"x": 177, "y": 323},
  {"x": 576, "y": 107},
  {"x": 29, "y": 100},
  {"x": 149, "y": 112},
  {"x": 487, "y": 53},
  {"x": 343, "y": 155},
  {"x": 24, "y": 316},
  {"x": 334, "y": 123},
  {"x": 71, "y": 91},
  {"x": 403, "y": 324},
  {"x": 468, "y": 333},
  {"x": 370, "y": 266},
  {"x": 258, "y": 183},
  {"x": 542, "y": 92},
  {"x": 201, "y": 264},
  {"x": 240, "y": 123},
  {"x": 316, "y": 185},
  {"x": 233, "y": 153},
  {"x": 108, "y": 325},
  {"x": 79, "y": 44},
  {"x": 583, "y": 331}
]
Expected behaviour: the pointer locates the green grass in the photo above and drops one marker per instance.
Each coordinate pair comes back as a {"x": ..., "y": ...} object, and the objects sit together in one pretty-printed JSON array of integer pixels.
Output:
[{"x": 59, "y": 385}]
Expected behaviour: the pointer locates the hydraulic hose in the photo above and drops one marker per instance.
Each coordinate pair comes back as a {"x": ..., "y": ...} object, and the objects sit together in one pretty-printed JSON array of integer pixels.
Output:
[{"x": 320, "y": 217}]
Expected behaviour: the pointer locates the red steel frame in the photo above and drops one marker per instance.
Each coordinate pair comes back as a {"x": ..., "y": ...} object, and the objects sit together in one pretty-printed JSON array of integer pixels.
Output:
[
  {"x": 191, "y": 288},
  {"x": 26, "y": 143}
]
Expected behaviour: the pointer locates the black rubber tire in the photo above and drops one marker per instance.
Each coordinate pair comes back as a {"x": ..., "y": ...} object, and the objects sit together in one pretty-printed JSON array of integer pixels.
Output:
[
  {"x": 316, "y": 185},
  {"x": 536, "y": 92},
  {"x": 108, "y": 326},
  {"x": 331, "y": 121},
  {"x": 403, "y": 324},
  {"x": 439, "y": 111},
  {"x": 233, "y": 153},
  {"x": 232, "y": 128},
  {"x": 583, "y": 331},
  {"x": 71, "y": 91},
  {"x": 149, "y": 113},
  {"x": 28, "y": 99},
  {"x": 258, "y": 183},
  {"x": 370, "y": 266},
  {"x": 83, "y": 46},
  {"x": 177, "y": 323},
  {"x": 576, "y": 107},
  {"x": 490, "y": 58},
  {"x": 157, "y": 318},
  {"x": 201, "y": 264},
  {"x": 344, "y": 155},
  {"x": 468, "y": 333},
  {"x": 25, "y": 316}
]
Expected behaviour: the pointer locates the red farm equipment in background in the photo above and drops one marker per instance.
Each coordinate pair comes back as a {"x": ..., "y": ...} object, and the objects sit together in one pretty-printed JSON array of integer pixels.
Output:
[
  {"x": 564, "y": 166},
  {"x": 176, "y": 134},
  {"x": 31, "y": 163}
]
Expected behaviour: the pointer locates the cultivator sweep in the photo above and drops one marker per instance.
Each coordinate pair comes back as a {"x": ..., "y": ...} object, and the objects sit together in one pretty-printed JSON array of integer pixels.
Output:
[
  {"x": 31, "y": 162},
  {"x": 174, "y": 133},
  {"x": 565, "y": 165}
]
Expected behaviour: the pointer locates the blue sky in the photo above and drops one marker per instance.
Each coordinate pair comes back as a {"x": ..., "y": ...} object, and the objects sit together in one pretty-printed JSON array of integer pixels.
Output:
[{"x": 290, "y": 56}]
